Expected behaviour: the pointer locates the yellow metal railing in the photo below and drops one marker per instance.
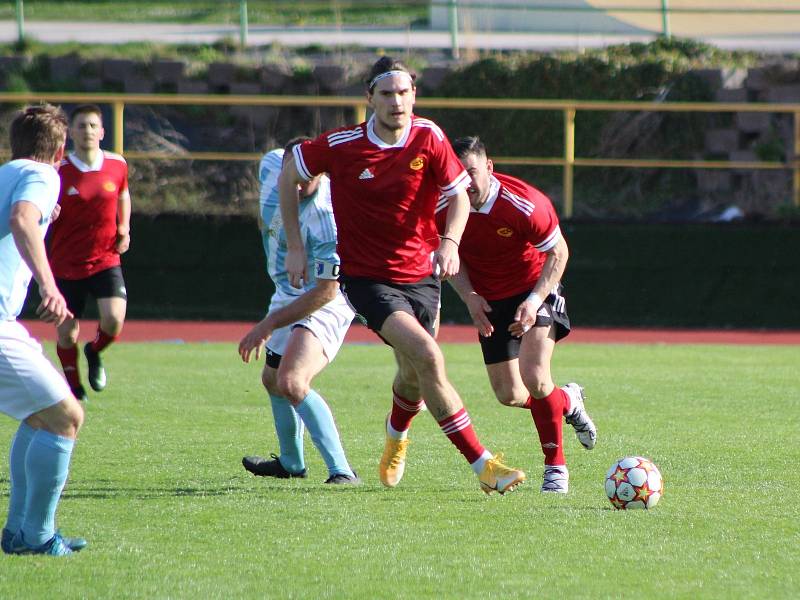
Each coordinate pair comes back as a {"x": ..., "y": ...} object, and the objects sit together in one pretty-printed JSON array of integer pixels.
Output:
[{"x": 569, "y": 108}]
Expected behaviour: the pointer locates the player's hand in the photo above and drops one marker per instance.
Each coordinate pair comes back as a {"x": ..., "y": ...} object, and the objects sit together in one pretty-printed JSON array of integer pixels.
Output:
[
  {"x": 123, "y": 243},
  {"x": 254, "y": 341},
  {"x": 296, "y": 267},
  {"x": 53, "y": 308},
  {"x": 478, "y": 307},
  {"x": 447, "y": 258},
  {"x": 524, "y": 318}
]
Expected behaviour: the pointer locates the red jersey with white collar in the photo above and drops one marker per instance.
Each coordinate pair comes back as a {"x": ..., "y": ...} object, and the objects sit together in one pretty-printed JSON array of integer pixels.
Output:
[
  {"x": 384, "y": 196},
  {"x": 505, "y": 240},
  {"x": 83, "y": 237}
]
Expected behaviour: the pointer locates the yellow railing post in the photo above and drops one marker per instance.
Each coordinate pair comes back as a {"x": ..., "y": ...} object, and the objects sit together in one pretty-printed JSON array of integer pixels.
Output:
[
  {"x": 569, "y": 159},
  {"x": 360, "y": 112},
  {"x": 118, "y": 108}
]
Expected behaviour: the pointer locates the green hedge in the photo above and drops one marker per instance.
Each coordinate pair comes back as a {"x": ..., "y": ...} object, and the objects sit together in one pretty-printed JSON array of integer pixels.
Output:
[{"x": 626, "y": 275}]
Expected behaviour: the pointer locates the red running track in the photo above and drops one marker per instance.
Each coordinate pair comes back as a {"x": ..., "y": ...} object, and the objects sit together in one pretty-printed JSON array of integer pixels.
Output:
[{"x": 232, "y": 331}]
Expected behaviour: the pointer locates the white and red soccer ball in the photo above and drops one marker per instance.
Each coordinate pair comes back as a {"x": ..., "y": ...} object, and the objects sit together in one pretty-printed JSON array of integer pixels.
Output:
[{"x": 634, "y": 482}]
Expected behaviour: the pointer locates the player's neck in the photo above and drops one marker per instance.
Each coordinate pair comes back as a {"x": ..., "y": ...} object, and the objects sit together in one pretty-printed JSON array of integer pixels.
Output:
[
  {"x": 389, "y": 135},
  {"x": 88, "y": 156}
]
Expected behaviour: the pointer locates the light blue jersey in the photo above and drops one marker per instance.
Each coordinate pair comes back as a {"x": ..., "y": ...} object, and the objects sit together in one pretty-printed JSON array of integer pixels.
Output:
[
  {"x": 317, "y": 229},
  {"x": 35, "y": 182}
]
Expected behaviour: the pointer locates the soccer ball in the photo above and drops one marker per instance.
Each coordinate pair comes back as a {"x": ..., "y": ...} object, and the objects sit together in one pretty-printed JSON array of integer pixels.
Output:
[{"x": 634, "y": 482}]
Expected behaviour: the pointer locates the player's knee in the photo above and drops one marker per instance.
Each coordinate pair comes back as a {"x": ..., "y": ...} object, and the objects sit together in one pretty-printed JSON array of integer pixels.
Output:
[
  {"x": 538, "y": 382},
  {"x": 428, "y": 361},
  {"x": 509, "y": 398},
  {"x": 269, "y": 380},
  {"x": 292, "y": 386}
]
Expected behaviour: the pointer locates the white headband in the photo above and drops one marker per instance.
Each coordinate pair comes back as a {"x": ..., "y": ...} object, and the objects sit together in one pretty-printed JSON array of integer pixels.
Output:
[{"x": 385, "y": 74}]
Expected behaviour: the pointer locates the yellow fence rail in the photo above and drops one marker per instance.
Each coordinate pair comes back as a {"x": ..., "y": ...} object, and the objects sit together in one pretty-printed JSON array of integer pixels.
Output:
[{"x": 569, "y": 108}]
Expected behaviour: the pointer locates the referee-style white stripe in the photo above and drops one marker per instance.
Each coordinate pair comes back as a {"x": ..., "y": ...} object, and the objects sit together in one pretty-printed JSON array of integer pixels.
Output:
[
  {"x": 550, "y": 241},
  {"x": 459, "y": 183},
  {"x": 523, "y": 205},
  {"x": 457, "y": 424},
  {"x": 300, "y": 163}
]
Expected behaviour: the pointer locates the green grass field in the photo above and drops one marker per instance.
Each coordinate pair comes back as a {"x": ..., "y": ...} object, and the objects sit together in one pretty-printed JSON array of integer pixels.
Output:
[
  {"x": 158, "y": 489},
  {"x": 274, "y": 12}
]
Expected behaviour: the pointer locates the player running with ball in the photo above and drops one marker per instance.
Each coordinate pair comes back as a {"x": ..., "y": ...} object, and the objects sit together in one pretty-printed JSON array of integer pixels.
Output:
[
  {"x": 386, "y": 176},
  {"x": 512, "y": 258}
]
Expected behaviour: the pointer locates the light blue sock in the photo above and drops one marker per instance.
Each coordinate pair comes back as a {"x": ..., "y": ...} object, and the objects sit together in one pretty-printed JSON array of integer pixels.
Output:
[
  {"x": 289, "y": 428},
  {"x": 16, "y": 460},
  {"x": 318, "y": 419},
  {"x": 46, "y": 469}
]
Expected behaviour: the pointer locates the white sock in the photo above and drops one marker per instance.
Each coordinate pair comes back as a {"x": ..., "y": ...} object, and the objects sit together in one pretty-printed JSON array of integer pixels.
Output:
[{"x": 479, "y": 464}]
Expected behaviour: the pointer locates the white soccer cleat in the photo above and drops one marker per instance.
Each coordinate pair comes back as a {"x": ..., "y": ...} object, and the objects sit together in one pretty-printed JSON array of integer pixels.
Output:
[
  {"x": 578, "y": 417},
  {"x": 556, "y": 480}
]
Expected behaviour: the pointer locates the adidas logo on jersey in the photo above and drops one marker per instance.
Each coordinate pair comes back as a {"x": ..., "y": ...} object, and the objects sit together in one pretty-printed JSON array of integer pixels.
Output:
[
  {"x": 72, "y": 191},
  {"x": 366, "y": 174}
]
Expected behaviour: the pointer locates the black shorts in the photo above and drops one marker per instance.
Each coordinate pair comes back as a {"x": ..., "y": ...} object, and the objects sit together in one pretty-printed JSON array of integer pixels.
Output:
[
  {"x": 374, "y": 300},
  {"x": 501, "y": 346},
  {"x": 105, "y": 284}
]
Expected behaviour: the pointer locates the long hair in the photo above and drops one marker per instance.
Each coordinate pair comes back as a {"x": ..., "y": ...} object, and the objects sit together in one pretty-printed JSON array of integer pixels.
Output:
[{"x": 384, "y": 65}]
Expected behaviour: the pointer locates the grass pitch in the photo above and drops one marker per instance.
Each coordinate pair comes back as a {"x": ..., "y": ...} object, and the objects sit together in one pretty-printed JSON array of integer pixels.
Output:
[{"x": 158, "y": 489}]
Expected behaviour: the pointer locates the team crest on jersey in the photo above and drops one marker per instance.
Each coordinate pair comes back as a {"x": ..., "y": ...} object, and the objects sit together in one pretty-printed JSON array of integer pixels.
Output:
[
  {"x": 110, "y": 186},
  {"x": 417, "y": 163},
  {"x": 505, "y": 232}
]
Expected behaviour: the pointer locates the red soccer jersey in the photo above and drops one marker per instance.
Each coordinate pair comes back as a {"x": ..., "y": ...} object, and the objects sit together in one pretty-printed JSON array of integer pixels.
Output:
[
  {"x": 384, "y": 196},
  {"x": 505, "y": 240},
  {"x": 83, "y": 237}
]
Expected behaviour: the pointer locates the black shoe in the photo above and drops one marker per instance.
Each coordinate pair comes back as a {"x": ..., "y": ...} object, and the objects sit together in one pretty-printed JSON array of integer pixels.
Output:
[
  {"x": 264, "y": 467},
  {"x": 97, "y": 374},
  {"x": 79, "y": 393},
  {"x": 342, "y": 479}
]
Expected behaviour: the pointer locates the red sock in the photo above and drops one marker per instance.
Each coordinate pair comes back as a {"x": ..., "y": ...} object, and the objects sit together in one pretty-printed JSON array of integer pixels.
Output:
[
  {"x": 403, "y": 411},
  {"x": 548, "y": 414},
  {"x": 69, "y": 364},
  {"x": 528, "y": 403},
  {"x": 102, "y": 340},
  {"x": 458, "y": 428}
]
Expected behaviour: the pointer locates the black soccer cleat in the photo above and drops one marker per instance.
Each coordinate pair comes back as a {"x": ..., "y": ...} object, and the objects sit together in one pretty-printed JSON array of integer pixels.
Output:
[
  {"x": 342, "y": 479},
  {"x": 266, "y": 467},
  {"x": 79, "y": 393},
  {"x": 97, "y": 374}
]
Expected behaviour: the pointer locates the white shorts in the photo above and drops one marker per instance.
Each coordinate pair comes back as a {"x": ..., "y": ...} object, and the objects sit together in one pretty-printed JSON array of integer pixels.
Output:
[
  {"x": 329, "y": 325},
  {"x": 28, "y": 381}
]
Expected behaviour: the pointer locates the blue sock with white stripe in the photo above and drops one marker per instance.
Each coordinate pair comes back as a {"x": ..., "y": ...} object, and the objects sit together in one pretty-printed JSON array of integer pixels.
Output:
[
  {"x": 318, "y": 419},
  {"x": 16, "y": 459},
  {"x": 289, "y": 428},
  {"x": 46, "y": 469}
]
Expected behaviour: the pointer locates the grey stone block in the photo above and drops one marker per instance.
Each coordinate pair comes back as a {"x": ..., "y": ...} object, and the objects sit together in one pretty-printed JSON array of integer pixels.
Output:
[
  {"x": 783, "y": 94},
  {"x": 432, "y": 77},
  {"x": 65, "y": 68},
  {"x": 136, "y": 84},
  {"x": 743, "y": 156},
  {"x": 221, "y": 74},
  {"x": 115, "y": 69},
  {"x": 722, "y": 141},
  {"x": 751, "y": 122},
  {"x": 273, "y": 79},
  {"x": 244, "y": 88},
  {"x": 168, "y": 70},
  {"x": 92, "y": 84},
  {"x": 731, "y": 95},
  {"x": 330, "y": 77},
  {"x": 758, "y": 79},
  {"x": 192, "y": 86},
  {"x": 713, "y": 181}
]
